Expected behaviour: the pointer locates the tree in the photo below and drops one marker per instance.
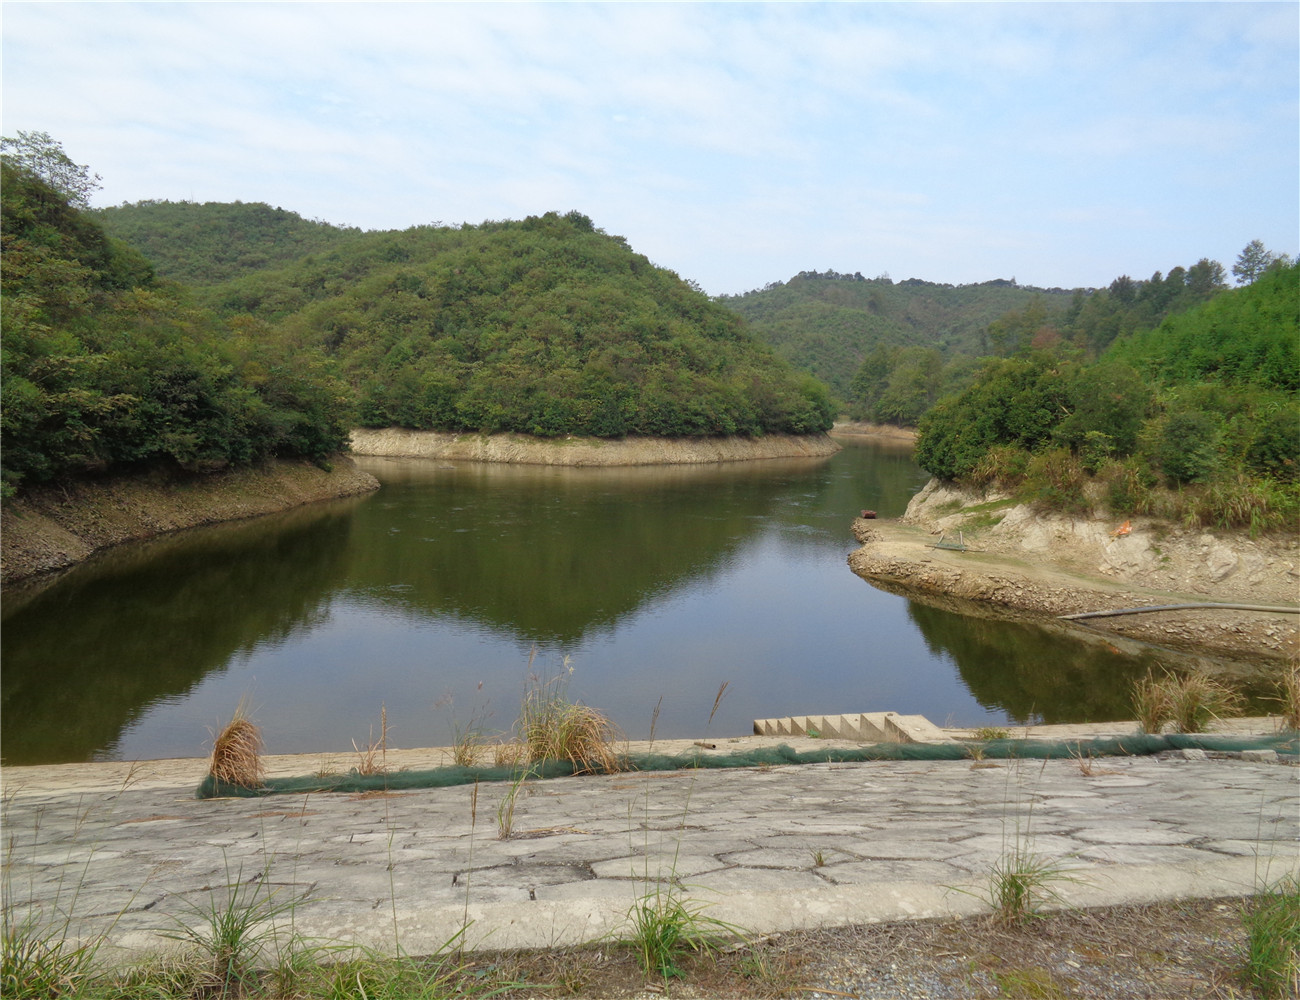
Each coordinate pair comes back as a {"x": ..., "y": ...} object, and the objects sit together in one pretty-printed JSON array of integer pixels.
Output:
[
  {"x": 1205, "y": 277},
  {"x": 42, "y": 156},
  {"x": 1253, "y": 261}
]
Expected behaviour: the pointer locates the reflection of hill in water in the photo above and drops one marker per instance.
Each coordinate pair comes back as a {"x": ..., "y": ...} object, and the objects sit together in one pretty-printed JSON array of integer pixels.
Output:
[
  {"x": 1032, "y": 672},
  {"x": 551, "y": 555},
  {"x": 152, "y": 620}
]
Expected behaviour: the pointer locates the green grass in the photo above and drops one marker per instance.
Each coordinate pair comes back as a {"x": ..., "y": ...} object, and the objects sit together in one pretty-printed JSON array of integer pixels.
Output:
[
  {"x": 1021, "y": 881},
  {"x": 39, "y": 961},
  {"x": 663, "y": 926},
  {"x": 1272, "y": 953},
  {"x": 234, "y": 929}
]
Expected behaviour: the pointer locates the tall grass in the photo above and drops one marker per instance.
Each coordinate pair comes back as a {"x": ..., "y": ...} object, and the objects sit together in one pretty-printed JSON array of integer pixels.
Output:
[
  {"x": 41, "y": 955},
  {"x": 1188, "y": 702},
  {"x": 231, "y": 931},
  {"x": 373, "y": 758},
  {"x": 1272, "y": 953},
  {"x": 1289, "y": 694},
  {"x": 553, "y": 727}
]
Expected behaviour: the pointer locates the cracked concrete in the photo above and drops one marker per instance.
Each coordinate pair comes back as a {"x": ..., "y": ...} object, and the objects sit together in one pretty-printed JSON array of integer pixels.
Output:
[{"x": 128, "y": 851}]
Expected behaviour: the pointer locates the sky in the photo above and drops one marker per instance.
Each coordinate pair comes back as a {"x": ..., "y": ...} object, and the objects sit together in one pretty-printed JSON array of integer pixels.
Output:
[{"x": 1059, "y": 144}]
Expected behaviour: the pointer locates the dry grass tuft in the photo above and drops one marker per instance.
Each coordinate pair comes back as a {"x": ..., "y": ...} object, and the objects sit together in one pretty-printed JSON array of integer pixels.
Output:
[
  {"x": 551, "y": 727},
  {"x": 1290, "y": 694},
  {"x": 374, "y": 758},
  {"x": 509, "y": 754},
  {"x": 237, "y": 752},
  {"x": 555, "y": 729},
  {"x": 1190, "y": 702}
]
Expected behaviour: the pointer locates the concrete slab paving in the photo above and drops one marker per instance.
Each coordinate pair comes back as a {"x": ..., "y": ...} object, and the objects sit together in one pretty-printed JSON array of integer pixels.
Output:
[{"x": 128, "y": 851}]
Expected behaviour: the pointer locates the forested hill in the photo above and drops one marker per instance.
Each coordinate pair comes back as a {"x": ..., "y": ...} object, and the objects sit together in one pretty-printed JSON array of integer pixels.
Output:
[
  {"x": 827, "y": 323},
  {"x": 106, "y": 367},
  {"x": 545, "y": 326},
  {"x": 203, "y": 244}
]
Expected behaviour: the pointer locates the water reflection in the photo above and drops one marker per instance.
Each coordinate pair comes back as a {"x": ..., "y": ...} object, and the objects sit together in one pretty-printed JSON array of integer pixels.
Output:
[
  {"x": 147, "y": 623},
  {"x": 552, "y": 556},
  {"x": 430, "y": 596}
]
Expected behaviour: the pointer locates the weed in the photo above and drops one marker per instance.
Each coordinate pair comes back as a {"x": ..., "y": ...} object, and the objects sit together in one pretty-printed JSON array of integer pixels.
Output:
[
  {"x": 1021, "y": 880},
  {"x": 509, "y": 753},
  {"x": 467, "y": 746},
  {"x": 506, "y": 807},
  {"x": 1029, "y": 983},
  {"x": 991, "y": 733},
  {"x": 374, "y": 758},
  {"x": 40, "y": 955},
  {"x": 469, "y": 740},
  {"x": 663, "y": 925},
  {"x": 1088, "y": 764},
  {"x": 37, "y": 961},
  {"x": 1150, "y": 703},
  {"x": 1272, "y": 953},
  {"x": 237, "y": 751},
  {"x": 229, "y": 931}
]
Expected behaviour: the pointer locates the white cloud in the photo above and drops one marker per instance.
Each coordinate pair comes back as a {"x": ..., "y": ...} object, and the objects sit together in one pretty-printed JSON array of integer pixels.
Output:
[{"x": 735, "y": 143}]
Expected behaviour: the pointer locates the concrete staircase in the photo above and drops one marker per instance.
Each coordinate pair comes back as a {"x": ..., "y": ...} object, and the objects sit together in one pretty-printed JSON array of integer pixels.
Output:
[{"x": 864, "y": 727}]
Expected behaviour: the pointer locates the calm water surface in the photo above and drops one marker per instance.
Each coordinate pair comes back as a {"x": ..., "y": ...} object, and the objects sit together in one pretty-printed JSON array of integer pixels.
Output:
[{"x": 432, "y": 595}]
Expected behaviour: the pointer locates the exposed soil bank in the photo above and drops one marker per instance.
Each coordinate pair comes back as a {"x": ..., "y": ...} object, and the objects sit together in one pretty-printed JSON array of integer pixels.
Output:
[
  {"x": 395, "y": 442},
  {"x": 53, "y": 527},
  {"x": 1050, "y": 564},
  {"x": 861, "y": 428}
]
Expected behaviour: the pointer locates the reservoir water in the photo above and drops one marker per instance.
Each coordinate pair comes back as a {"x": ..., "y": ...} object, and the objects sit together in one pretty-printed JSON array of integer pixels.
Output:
[{"x": 437, "y": 597}]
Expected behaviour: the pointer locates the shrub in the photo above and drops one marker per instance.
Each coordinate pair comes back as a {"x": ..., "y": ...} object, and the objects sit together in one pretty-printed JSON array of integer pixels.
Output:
[
  {"x": 1056, "y": 480},
  {"x": 1187, "y": 446}
]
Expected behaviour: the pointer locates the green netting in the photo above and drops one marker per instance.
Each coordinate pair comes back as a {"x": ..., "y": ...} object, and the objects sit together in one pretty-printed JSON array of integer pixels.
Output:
[{"x": 1127, "y": 746}]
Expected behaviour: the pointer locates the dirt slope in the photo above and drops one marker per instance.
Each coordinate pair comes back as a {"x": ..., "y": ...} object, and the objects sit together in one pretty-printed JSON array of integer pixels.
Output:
[
  {"x": 1050, "y": 564},
  {"x": 50, "y": 528}
]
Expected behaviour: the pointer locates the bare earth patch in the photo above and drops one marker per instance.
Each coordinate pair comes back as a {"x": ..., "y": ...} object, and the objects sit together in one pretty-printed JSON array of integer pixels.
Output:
[{"x": 1045, "y": 565}]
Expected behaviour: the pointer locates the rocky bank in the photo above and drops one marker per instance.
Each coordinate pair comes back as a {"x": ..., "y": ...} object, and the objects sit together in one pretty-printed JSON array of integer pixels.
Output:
[
  {"x": 1046, "y": 565},
  {"x": 49, "y": 528}
]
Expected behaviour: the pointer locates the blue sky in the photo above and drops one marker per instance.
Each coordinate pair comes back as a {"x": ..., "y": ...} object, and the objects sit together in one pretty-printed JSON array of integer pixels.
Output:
[{"x": 1061, "y": 144}]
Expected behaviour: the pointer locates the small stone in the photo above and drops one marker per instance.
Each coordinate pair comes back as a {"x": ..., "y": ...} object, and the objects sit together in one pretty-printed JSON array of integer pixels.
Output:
[
  {"x": 1260, "y": 756},
  {"x": 1191, "y": 753}
]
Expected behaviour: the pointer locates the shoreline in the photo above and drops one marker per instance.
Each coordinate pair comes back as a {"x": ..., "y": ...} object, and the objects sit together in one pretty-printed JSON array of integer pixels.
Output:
[
  {"x": 53, "y": 527},
  {"x": 166, "y": 772},
  {"x": 1019, "y": 560},
  {"x": 579, "y": 452}
]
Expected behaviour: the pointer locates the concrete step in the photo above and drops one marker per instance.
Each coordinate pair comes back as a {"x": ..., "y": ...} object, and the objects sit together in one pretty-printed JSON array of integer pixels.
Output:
[{"x": 862, "y": 727}]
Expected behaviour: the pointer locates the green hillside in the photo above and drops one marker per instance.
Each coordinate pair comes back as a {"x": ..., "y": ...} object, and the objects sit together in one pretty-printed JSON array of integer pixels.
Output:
[
  {"x": 1196, "y": 419},
  {"x": 827, "y": 323},
  {"x": 204, "y": 244},
  {"x": 545, "y": 326},
  {"x": 105, "y": 366}
]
